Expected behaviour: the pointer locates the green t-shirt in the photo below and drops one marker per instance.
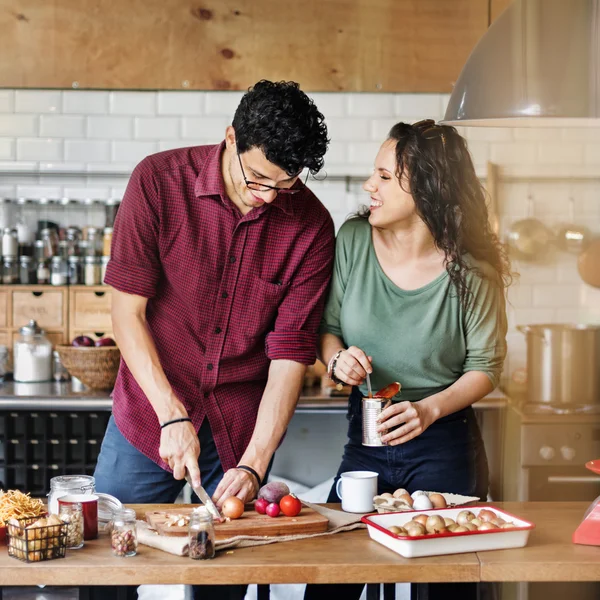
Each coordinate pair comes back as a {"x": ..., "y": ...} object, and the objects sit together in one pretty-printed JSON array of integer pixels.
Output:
[{"x": 422, "y": 338}]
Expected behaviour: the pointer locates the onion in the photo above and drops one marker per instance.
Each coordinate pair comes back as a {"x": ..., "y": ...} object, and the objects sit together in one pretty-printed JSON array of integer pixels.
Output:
[{"x": 233, "y": 507}]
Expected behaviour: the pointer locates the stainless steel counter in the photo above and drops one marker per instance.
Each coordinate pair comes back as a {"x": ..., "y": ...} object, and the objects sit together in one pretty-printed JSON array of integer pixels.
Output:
[{"x": 69, "y": 396}]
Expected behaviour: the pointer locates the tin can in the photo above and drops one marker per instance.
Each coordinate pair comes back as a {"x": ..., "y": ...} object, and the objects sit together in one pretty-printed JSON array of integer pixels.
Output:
[{"x": 371, "y": 409}]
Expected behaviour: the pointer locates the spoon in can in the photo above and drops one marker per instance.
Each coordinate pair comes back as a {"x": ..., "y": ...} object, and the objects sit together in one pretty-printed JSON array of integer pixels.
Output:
[{"x": 370, "y": 390}]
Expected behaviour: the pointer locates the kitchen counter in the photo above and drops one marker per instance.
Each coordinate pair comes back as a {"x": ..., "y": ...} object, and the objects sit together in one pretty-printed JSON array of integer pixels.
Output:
[
  {"x": 69, "y": 396},
  {"x": 350, "y": 557}
]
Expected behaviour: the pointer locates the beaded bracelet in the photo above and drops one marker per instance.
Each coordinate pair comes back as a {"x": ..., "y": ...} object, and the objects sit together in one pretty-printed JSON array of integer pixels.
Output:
[{"x": 331, "y": 367}]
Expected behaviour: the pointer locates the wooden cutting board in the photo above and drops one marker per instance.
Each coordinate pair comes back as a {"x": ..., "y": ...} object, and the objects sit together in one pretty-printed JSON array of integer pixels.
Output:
[{"x": 250, "y": 523}]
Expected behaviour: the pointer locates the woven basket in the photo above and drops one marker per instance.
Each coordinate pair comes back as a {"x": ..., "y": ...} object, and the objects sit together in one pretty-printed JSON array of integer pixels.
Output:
[{"x": 96, "y": 367}]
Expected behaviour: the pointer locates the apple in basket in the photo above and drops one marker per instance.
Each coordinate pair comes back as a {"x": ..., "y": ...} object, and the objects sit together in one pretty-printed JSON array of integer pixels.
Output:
[
  {"x": 83, "y": 341},
  {"x": 105, "y": 341}
]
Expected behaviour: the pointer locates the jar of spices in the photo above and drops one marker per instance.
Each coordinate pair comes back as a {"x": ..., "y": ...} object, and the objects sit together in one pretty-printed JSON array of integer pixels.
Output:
[
  {"x": 32, "y": 352},
  {"x": 72, "y": 515},
  {"x": 27, "y": 270},
  {"x": 63, "y": 485},
  {"x": 42, "y": 271},
  {"x": 92, "y": 235},
  {"x": 92, "y": 271},
  {"x": 59, "y": 372},
  {"x": 58, "y": 271},
  {"x": 75, "y": 272},
  {"x": 73, "y": 238},
  {"x": 201, "y": 536},
  {"x": 123, "y": 537},
  {"x": 49, "y": 239},
  {"x": 38, "y": 250},
  {"x": 63, "y": 249},
  {"x": 10, "y": 242},
  {"x": 110, "y": 211},
  {"x": 107, "y": 240},
  {"x": 105, "y": 260},
  {"x": 10, "y": 270}
]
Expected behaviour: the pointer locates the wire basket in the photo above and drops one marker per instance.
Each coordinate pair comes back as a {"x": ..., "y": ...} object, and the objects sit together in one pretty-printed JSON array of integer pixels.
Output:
[
  {"x": 35, "y": 544},
  {"x": 96, "y": 367}
]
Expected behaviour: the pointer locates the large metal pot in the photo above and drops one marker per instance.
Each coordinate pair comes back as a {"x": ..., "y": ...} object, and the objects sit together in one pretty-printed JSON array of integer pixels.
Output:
[{"x": 563, "y": 363}]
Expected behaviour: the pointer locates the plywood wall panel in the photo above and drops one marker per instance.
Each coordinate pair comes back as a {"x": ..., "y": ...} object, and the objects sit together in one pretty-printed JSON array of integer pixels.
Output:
[{"x": 327, "y": 45}]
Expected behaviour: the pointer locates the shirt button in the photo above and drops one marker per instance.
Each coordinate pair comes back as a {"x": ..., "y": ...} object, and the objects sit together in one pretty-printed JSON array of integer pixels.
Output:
[
  {"x": 206, "y": 394},
  {"x": 209, "y": 366},
  {"x": 218, "y": 330},
  {"x": 224, "y": 295},
  {"x": 232, "y": 259}
]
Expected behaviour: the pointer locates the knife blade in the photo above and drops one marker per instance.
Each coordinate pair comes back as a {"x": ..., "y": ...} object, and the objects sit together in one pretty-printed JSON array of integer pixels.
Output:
[{"x": 204, "y": 498}]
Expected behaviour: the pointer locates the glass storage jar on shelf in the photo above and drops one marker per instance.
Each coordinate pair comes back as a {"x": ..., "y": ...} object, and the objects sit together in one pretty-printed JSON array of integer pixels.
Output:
[
  {"x": 123, "y": 536},
  {"x": 104, "y": 264},
  {"x": 64, "y": 485},
  {"x": 92, "y": 270},
  {"x": 59, "y": 372},
  {"x": 49, "y": 238},
  {"x": 10, "y": 270},
  {"x": 27, "y": 274},
  {"x": 201, "y": 535},
  {"x": 42, "y": 272},
  {"x": 32, "y": 352},
  {"x": 58, "y": 271},
  {"x": 94, "y": 240},
  {"x": 75, "y": 270},
  {"x": 10, "y": 242},
  {"x": 110, "y": 211}
]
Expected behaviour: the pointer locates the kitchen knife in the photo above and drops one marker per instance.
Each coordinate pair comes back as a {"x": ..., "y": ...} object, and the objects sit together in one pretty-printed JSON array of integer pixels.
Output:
[{"x": 204, "y": 498}]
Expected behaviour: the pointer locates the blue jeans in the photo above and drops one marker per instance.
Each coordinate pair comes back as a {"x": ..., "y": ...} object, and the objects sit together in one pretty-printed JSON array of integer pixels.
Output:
[
  {"x": 449, "y": 456},
  {"x": 133, "y": 478}
]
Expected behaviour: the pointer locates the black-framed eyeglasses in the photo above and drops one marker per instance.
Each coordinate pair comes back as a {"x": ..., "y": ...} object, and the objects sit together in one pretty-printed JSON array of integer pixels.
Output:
[{"x": 263, "y": 187}]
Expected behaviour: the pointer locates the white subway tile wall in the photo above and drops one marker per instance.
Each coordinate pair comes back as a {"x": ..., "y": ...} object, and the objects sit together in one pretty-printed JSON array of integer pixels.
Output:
[{"x": 103, "y": 134}]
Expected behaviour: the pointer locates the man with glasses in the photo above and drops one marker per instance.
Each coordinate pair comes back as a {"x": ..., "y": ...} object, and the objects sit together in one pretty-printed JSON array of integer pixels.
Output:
[{"x": 221, "y": 258}]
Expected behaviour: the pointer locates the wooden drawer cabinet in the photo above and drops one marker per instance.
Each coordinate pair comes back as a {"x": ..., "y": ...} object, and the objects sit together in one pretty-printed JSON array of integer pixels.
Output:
[
  {"x": 89, "y": 310},
  {"x": 4, "y": 310},
  {"x": 46, "y": 304},
  {"x": 56, "y": 337}
]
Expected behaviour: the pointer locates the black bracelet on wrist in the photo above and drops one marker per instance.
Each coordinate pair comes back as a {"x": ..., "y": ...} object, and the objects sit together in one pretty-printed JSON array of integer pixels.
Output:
[
  {"x": 333, "y": 366},
  {"x": 252, "y": 472},
  {"x": 181, "y": 420}
]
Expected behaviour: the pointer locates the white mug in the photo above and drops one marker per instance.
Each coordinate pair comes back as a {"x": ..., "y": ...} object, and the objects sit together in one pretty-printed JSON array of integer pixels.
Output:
[{"x": 358, "y": 489}]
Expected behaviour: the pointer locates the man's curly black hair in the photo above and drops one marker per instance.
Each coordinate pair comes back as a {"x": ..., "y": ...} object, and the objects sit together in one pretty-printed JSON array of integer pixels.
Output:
[{"x": 283, "y": 122}]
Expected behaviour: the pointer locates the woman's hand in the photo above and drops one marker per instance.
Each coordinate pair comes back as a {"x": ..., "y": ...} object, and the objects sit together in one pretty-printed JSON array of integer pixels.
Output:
[
  {"x": 413, "y": 417},
  {"x": 352, "y": 366}
]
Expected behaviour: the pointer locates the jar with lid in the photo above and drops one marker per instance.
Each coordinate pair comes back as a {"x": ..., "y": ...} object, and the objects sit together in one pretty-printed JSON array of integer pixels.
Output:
[
  {"x": 201, "y": 536},
  {"x": 107, "y": 240},
  {"x": 49, "y": 237},
  {"x": 63, "y": 249},
  {"x": 64, "y": 485},
  {"x": 27, "y": 274},
  {"x": 105, "y": 260},
  {"x": 73, "y": 238},
  {"x": 72, "y": 515},
  {"x": 38, "y": 250},
  {"x": 123, "y": 537},
  {"x": 110, "y": 211},
  {"x": 10, "y": 242},
  {"x": 92, "y": 271},
  {"x": 59, "y": 372},
  {"x": 58, "y": 271},
  {"x": 32, "y": 352},
  {"x": 4, "y": 368},
  {"x": 42, "y": 271},
  {"x": 92, "y": 235},
  {"x": 6, "y": 212},
  {"x": 10, "y": 270},
  {"x": 75, "y": 271}
]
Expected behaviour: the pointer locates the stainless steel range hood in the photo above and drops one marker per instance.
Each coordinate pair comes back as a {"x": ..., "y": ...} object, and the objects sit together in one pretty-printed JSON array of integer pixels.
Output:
[{"x": 538, "y": 65}]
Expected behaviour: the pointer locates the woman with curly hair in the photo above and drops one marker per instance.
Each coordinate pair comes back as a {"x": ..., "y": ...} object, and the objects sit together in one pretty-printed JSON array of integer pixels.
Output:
[{"x": 417, "y": 297}]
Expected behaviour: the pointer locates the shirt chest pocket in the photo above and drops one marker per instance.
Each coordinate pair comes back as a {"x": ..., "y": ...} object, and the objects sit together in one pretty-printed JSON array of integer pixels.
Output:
[{"x": 262, "y": 304}]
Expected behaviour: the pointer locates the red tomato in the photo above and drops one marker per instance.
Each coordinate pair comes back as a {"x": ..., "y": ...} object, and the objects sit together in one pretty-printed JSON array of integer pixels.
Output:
[{"x": 290, "y": 505}]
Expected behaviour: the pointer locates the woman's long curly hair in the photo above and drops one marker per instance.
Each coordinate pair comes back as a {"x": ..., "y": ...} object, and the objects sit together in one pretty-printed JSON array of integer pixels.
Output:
[{"x": 448, "y": 196}]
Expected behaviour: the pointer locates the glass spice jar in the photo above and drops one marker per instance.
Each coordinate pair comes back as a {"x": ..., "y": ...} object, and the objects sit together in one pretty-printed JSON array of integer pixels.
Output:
[
  {"x": 59, "y": 371},
  {"x": 43, "y": 272},
  {"x": 92, "y": 271},
  {"x": 75, "y": 270},
  {"x": 123, "y": 537},
  {"x": 10, "y": 270},
  {"x": 58, "y": 271},
  {"x": 107, "y": 240},
  {"x": 27, "y": 270},
  {"x": 201, "y": 536},
  {"x": 72, "y": 515},
  {"x": 104, "y": 264}
]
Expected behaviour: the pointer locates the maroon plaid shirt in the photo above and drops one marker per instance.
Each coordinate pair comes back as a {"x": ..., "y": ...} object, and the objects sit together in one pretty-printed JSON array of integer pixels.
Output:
[{"x": 227, "y": 293}]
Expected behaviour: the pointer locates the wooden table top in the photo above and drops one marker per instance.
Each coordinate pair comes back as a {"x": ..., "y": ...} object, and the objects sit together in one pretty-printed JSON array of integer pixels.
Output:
[{"x": 346, "y": 557}]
